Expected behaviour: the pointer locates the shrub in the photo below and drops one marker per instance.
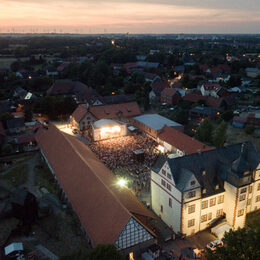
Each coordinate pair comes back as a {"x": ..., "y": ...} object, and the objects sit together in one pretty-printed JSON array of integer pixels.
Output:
[{"x": 249, "y": 129}]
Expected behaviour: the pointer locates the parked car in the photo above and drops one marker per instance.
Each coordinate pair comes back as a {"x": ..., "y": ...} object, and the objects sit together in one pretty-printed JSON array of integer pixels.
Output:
[
  {"x": 75, "y": 131},
  {"x": 214, "y": 244}
]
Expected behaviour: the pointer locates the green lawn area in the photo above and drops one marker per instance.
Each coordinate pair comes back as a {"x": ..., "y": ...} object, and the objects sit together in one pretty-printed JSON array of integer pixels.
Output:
[
  {"x": 16, "y": 176},
  {"x": 44, "y": 178},
  {"x": 253, "y": 219}
]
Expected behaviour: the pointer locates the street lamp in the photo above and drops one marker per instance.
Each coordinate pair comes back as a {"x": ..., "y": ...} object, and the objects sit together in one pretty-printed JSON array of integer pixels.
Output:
[{"x": 122, "y": 183}]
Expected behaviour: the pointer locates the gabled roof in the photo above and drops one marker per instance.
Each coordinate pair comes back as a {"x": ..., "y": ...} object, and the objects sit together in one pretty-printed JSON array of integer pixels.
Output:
[
  {"x": 216, "y": 163},
  {"x": 169, "y": 92},
  {"x": 181, "y": 141},
  {"x": 79, "y": 113},
  {"x": 129, "y": 109},
  {"x": 102, "y": 207},
  {"x": 160, "y": 85}
]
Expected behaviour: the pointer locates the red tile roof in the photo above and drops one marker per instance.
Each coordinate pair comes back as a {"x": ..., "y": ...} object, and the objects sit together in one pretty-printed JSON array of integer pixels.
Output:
[
  {"x": 2, "y": 131},
  {"x": 181, "y": 141},
  {"x": 160, "y": 85},
  {"x": 112, "y": 111},
  {"x": 101, "y": 206},
  {"x": 169, "y": 92},
  {"x": 79, "y": 113}
]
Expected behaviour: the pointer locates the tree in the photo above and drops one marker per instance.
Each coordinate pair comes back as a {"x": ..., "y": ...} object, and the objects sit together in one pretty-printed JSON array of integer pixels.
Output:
[
  {"x": 227, "y": 115},
  {"x": 242, "y": 244},
  {"x": 220, "y": 134},
  {"x": 204, "y": 132},
  {"x": 6, "y": 149}
]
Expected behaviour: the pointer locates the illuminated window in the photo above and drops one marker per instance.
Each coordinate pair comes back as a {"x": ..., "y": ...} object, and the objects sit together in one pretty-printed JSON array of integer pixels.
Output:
[
  {"x": 242, "y": 197},
  {"x": 243, "y": 190},
  {"x": 219, "y": 213},
  {"x": 220, "y": 199},
  {"x": 163, "y": 182},
  {"x": 191, "y": 223},
  {"x": 204, "y": 204},
  {"x": 212, "y": 202},
  {"x": 191, "y": 209},
  {"x": 240, "y": 213},
  {"x": 204, "y": 218},
  {"x": 257, "y": 198},
  {"x": 249, "y": 202},
  {"x": 204, "y": 191},
  {"x": 209, "y": 216},
  {"x": 191, "y": 194}
]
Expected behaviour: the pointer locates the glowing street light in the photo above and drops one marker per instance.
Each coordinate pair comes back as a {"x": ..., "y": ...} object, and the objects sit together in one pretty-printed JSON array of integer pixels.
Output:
[{"x": 122, "y": 183}]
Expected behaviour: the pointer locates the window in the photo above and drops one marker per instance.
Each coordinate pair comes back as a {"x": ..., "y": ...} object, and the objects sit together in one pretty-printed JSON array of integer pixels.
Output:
[
  {"x": 240, "y": 213},
  {"x": 204, "y": 191},
  {"x": 203, "y": 218},
  {"x": 249, "y": 202},
  {"x": 257, "y": 198},
  {"x": 163, "y": 183},
  {"x": 217, "y": 187},
  {"x": 169, "y": 187},
  {"x": 219, "y": 213},
  {"x": 169, "y": 176},
  {"x": 170, "y": 202},
  {"x": 258, "y": 187},
  {"x": 242, "y": 197},
  {"x": 162, "y": 208},
  {"x": 220, "y": 199},
  {"x": 250, "y": 189},
  {"x": 212, "y": 202},
  {"x": 243, "y": 190},
  {"x": 209, "y": 216},
  {"x": 191, "y": 209},
  {"x": 204, "y": 204},
  {"x": 191, "y": 223},
  {"x": 192, "y": 183},
  {"x": 163, "y": 172},
  {"x": 203, "y": 172},
  {"x": 192, "y": 194}
]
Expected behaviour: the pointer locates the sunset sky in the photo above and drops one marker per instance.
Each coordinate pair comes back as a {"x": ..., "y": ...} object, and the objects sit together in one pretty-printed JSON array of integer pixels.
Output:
[{"x": 134, "y": 16}]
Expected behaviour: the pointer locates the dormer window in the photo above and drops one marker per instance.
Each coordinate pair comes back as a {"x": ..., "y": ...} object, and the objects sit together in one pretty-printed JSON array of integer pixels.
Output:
[
  {"x": 204, "y": 191},
  {"x": 192, "y": 183},
  {"x": 217, "y": 187}
]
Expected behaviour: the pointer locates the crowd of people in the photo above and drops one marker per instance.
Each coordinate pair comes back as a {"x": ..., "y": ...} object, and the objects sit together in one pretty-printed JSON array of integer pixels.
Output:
[{"x": 119, "y": 152}]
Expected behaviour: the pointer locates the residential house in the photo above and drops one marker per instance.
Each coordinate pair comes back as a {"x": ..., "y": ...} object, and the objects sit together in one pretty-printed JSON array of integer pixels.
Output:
[
  {"x": 178, "y": 143},
  {"x": 151, "y": 77},
  {"x": 85, "y": 115},
  {"x": 158, "y": 86},
  {"x": 151, "y": 124},
  {"x": 170, "y": 96},
  {"x": 79, "y": 91},
  {"x": 51, "y": 71},
  {"x": 192, "y": 191},
  {"x": 200, "y": 112},
  {"x": 108, "y": 214},
  {"x": 212, "y": 90}
]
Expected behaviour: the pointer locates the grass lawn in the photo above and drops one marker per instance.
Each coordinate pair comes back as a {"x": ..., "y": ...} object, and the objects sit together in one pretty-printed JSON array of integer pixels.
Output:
[
  {"x": 16, "y": 176},
  {"x": 253, "y": 219},
  {"x": 44, "y": 178}
]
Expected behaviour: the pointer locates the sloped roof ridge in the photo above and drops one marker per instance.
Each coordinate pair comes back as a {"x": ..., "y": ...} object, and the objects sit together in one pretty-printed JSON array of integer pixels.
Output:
[{"x": 93, "y": 170}]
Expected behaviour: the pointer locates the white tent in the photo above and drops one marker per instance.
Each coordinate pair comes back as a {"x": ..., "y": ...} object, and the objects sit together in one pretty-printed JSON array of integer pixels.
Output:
[{"x": 220, "y": 230}]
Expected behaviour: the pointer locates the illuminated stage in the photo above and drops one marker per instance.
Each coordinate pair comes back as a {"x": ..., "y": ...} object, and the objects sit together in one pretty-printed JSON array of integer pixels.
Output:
[{"x": 106, "y": 129}]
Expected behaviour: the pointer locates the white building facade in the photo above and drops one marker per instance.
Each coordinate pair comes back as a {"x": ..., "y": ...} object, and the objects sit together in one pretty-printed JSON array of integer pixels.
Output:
[{"x": 189, "y": 194}]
